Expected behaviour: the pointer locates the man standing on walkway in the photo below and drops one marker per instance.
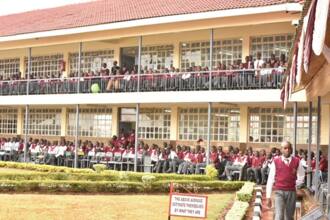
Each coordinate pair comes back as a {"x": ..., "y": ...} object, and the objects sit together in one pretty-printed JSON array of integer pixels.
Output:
[{"x": 286, "y": 172}]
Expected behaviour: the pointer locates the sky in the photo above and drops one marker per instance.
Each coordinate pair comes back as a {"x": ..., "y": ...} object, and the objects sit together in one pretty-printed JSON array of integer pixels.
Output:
[{"x": 17, "y": 6}]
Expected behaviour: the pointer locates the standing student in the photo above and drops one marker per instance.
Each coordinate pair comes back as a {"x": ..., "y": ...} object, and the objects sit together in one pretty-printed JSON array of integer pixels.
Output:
[{"x": 286, "y": 172}]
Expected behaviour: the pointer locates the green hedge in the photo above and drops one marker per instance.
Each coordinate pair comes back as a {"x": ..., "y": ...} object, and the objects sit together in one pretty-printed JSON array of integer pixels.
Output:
[
  {"x": 71, "y": 186},
  {"x": 237, "y": 211},
  {"x": 241, "y": 204},
  {"x": 246, "y": 192},
  {"x": 42, "y": 168},
  {"x": 51, "y": 186},
  {"x": 196, "y": 186},
  {"x": 104, "y": 176}
]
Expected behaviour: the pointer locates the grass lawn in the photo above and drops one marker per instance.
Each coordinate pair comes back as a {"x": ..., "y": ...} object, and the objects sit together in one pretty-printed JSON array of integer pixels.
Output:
[{"x": 128, "y": 207}]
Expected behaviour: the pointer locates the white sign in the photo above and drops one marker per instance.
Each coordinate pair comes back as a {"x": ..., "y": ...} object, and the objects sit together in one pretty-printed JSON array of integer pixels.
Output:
[{"x": 188, "y": 205}]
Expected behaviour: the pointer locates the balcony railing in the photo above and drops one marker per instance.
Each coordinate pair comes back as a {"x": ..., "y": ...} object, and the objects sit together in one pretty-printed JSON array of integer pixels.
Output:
[{"x": 182, "y": 81}]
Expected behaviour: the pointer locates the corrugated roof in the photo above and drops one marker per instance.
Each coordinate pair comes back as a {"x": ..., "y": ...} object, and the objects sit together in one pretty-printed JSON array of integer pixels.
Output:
[{"x": 111, "y": 11}]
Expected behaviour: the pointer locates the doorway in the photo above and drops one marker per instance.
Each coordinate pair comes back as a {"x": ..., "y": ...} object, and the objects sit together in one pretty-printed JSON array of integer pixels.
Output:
[
  {"x": 127, "y": 120},
  {"x": 129, "y": 57}
]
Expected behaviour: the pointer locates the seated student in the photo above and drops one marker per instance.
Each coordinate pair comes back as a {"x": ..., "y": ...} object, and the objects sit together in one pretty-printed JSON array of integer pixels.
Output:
[
  {"x": 214, "y": 160},
  {"x": 265, "y": 168},
  {"x": 52, "y": 151},
  {"x": 255, "y": 170},
  {"x": 183, "y": 167},
  {"x": 161, "y": 165},
  {"x": 238, "y": 165},
  {"x": 199, "y": 160},
  {"x": 173, "y": 159},
  {"x": 222, "y": 160},
  {"x": 154, "y": 155}
]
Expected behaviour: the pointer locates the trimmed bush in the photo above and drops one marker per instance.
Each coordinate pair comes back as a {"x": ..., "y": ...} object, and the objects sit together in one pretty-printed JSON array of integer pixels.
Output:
[
  {"x": 211, "y": 172},
  {"x": 237, "y": 211},
  {"x": 51, "y": 186},
  {"x": 196, "y": 186},
  {"x": 71, "y": 186},
  {"x": 246, "y": 192},
  {"x": 42, "y": 168},
  {"x": 99, "y": 167}
]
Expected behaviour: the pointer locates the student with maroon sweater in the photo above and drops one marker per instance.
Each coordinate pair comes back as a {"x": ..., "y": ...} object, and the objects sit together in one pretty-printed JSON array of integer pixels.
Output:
[{"x": 286, "y": 172}]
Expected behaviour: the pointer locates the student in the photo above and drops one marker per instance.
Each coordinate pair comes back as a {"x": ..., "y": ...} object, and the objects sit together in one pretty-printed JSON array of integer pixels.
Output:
[{"x": 286, "y": 172}]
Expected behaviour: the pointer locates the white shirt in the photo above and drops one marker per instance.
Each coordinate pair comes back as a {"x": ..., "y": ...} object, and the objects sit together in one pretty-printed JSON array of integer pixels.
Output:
[
  {"x": 173, "y": 155},
  {"x": 272, "y": 172},
  {"x": 258, "y": 64}
]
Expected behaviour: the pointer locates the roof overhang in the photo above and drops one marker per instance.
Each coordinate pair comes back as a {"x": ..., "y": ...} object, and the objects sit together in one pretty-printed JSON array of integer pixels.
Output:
[{"x": 287, "y": 7}]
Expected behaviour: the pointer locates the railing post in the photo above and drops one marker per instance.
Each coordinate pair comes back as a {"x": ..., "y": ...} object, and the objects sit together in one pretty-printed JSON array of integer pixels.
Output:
[
  {"x": 76, "y": 138},
  {"x": 211, "y": 58},
  {"x": 318, "y": 137},
  {"x": 77, "y": 109},
  {"x": 137, "y": 112},
  {"x": 27, "y": 106},
  {"x": 139, "y": 63},
  {"x": 79, "y": 67},
  {"x": 309, "y": 159},
  {"x": 209, "y": 112},
  {"x": 295, "y": 117}
]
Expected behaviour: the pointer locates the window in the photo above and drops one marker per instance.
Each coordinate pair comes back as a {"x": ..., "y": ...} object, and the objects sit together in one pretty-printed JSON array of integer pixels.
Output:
[
  {"x": 155, "y": 124},
  {"x": 274, "y": 44},
  {"x": 275, "y": 125},
  {"x": 9, "y": 67},
  {"x": 157, "y": 57},
  {"x": 96, "y": 122},
  {"x": 225, "y": 123},
  {"x": 198, "y": 53},
  {"x": 44, "y": 122},
  {"x": 8, "y": 121},
  {"x": 91, "y": 61},
  {"x": 45, "y": 66}
]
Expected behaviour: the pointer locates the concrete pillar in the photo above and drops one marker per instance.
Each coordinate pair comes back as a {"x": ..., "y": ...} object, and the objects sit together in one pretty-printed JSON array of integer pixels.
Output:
[
  {"x": 67, "y": 64},
  {"x": 325, "y": 114},
  {"x": 20, "y": 121},
  {"x": 115, "y": 121},
  {"x": 116, "y": 54},
  {"x": 244, "y": 124},
  {"x": 245, "y": 46},
  {"x": 22, "y": 66},
  {"x": 64, "y": 121},
  {"x": 174, "y": 123},
  {"x": 176, "y": 55}
]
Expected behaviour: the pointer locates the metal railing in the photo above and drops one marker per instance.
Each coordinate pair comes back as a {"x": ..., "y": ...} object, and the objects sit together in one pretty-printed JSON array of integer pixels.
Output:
[{"x": 181, "y": 81}]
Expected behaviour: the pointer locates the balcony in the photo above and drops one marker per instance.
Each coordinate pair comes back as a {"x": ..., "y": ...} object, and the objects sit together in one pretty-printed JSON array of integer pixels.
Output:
[{"x": 252, "y": 79}]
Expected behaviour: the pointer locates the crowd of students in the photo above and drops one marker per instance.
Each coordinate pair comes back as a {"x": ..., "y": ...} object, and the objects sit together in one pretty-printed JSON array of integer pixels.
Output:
[
  {"x": 231, "y": 164},
  {"x": 253, "y": 73}
]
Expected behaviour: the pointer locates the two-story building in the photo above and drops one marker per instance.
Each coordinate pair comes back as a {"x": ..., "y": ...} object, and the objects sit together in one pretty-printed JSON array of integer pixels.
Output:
[{"x": 182, "y": 71}]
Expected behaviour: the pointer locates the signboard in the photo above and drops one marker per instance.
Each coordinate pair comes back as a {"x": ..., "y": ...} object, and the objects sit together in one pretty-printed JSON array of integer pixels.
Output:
[
  {"x": 314, "y": 214},
  {"x": 188, "y": 205}
]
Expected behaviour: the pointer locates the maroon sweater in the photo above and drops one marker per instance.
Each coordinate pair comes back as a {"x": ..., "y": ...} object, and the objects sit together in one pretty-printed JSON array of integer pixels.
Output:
[{"x": 286, "y": 175}]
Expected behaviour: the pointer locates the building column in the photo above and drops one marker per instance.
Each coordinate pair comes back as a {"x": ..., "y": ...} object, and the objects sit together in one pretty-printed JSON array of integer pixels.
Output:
[
  {"x": 67, "y": 66},
  {"x": 174, "y": 123},
  {"x": 64, "y": 122},
  {"x": 325, "y": 114},
  {"x": 115, "y": 121},
  {"x": 246, "y": 46},
  {"x": 176, "y": 55},
  {"x": 22, "y": 66},
  {"x": 20, "y": 120},
  {"x": 244, "y": 124},
  {"x": 116, "y": 55}
]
